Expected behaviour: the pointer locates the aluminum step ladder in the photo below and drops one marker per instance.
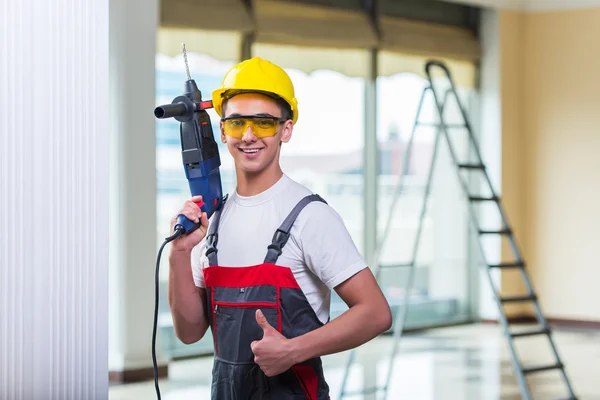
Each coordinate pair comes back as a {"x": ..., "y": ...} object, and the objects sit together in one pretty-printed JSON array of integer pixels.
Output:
[{"x": 518, "y": 263}]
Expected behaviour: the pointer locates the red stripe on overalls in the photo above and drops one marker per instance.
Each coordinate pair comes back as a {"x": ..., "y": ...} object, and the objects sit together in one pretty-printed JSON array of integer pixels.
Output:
[
  {"x": 263, "y": 274},
  {"x": 308, "y": 380}
]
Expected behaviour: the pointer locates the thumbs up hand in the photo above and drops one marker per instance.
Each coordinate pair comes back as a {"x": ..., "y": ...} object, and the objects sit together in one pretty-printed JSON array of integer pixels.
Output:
[{"x": 273, "y": 352}]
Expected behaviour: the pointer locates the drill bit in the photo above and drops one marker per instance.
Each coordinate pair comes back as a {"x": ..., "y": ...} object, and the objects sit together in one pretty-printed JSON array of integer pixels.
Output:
[{"x": 187, "y": 68}]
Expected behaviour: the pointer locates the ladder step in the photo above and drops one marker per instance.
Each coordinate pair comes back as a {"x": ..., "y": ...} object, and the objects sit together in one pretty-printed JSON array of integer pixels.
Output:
[
  {"x": 507, "y": 265},
  {"x": 500, "y": 232},
  {"x": 393, "y": 266},
  {"x": 517, "y": 299},
  {"x": 532, "y": 370},
  {"x": 543, "y": 331},
  {"x": 480, "y": 198},
  {"x": 471, "y": 166},
  {"x": 370, "y": 390}
]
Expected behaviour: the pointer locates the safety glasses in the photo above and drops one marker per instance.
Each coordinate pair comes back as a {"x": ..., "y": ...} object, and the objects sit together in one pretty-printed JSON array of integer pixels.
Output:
[{"x": 261, "y": 126}]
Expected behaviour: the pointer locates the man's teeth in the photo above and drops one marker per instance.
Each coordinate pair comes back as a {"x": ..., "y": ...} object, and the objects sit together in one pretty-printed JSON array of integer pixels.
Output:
[{"x": 250, "y": 150}]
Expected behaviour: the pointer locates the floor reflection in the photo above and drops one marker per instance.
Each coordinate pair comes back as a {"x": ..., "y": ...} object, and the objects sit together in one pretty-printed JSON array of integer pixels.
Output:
[{"x": 466, "y": 362}]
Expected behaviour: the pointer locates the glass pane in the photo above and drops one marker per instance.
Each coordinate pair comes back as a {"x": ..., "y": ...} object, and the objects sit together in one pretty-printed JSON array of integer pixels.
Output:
[{"x": 440, "y": 290}]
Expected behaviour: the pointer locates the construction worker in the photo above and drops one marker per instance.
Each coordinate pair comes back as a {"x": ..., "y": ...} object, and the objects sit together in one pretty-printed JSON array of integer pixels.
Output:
[{"x": 261, "y": 272}]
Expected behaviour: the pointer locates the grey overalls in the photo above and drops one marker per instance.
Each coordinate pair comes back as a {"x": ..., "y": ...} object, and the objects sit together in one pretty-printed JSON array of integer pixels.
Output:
[{"x": 234, "y": 295}]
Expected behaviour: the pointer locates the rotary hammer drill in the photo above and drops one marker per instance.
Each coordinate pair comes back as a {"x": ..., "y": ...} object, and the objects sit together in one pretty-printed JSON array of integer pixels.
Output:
[{"x": 199, "y": 151}]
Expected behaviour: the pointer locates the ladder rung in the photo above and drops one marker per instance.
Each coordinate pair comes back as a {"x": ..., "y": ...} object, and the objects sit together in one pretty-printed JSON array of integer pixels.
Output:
[
  {"x": 532, "y": 370},
  {"x": 471, "y": 166},
  {"x": 500, "y": 232},
  {"x": 370, "y": 390},
  {"x": 543, "y": 331},
  {"x": 480, "y": 198},
  {"x": 391, "y": 266},
  {"x": 507, "y": 265},
  {"x": 517, "y": 299}
]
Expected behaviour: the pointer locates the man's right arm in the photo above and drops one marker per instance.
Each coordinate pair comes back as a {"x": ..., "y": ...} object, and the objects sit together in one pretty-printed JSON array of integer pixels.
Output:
[{"x": 187, "y": 301}]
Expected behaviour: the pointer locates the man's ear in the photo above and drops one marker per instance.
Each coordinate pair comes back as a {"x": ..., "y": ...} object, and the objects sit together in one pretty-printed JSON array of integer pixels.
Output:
[
  {"x": 223, "y": 137},
  {"x": 286, "y": 132}
]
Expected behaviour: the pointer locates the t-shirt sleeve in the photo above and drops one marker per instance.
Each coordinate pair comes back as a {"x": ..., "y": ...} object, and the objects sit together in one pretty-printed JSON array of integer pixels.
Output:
[
  {"x": 329, "y": 251},
  {"x": 199, "y": 261}
]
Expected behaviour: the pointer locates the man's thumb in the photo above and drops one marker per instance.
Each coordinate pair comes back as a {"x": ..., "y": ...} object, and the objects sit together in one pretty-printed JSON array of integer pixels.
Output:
[{"x": 262, "y": 321}]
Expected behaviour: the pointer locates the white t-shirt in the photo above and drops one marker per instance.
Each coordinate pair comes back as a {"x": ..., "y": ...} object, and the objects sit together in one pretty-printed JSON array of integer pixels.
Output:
[{"x": 320, "y": 250}]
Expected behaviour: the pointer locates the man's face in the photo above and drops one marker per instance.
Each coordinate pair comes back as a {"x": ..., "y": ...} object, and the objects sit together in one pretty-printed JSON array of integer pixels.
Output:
[{"x": 252, "y": 153}]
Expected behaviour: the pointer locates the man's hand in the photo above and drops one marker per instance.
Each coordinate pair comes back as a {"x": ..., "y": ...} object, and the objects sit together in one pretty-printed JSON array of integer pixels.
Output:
[{"x": 273, "y": 352}]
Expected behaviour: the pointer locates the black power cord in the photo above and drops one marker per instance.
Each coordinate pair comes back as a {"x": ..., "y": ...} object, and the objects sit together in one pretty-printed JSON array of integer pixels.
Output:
[{"x": 178, "y": 232}]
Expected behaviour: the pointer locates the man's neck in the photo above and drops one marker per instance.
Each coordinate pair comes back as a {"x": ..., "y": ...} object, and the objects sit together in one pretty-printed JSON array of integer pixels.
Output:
[{"x": 252, "y": 184}]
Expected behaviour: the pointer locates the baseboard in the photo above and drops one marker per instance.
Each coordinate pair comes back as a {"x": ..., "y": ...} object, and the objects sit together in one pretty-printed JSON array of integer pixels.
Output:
[
  {"x": 517, "y": 319},
  {"x": 136, "y": 375},
  {"x": 554, "y": 322}
]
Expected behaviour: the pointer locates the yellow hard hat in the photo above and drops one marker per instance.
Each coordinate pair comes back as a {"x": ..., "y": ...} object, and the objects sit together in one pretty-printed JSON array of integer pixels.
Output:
[{"x": 257, "y": 75}]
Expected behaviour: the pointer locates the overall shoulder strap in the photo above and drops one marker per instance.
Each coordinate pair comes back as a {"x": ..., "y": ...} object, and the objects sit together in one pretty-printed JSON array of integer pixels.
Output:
[
  {"x": 213, "y": 236},
  {"x": 282, "y": 234}
]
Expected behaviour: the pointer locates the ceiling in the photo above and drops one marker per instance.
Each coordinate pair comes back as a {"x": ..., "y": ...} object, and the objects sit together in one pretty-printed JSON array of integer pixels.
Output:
[{"x": 531, "y": 5}]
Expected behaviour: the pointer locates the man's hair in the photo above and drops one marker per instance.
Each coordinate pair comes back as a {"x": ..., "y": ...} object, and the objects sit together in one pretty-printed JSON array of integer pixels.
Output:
[{"x": 284, "y": 107}]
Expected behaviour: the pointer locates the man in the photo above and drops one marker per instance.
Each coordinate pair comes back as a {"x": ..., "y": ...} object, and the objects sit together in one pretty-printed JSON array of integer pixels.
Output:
[{"x": 260, "y": 274}]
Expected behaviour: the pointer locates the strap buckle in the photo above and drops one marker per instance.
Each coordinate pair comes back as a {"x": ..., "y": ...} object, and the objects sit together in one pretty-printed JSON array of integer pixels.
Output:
[
  {"x": 211, "y": 243},
  {"x": 280, "y": 238}
]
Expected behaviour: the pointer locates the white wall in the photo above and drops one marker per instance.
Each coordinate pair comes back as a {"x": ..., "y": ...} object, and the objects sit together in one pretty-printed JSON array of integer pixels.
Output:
[
  {"x": 560, "y": 146},
  {"x": 53, "y": 199}
]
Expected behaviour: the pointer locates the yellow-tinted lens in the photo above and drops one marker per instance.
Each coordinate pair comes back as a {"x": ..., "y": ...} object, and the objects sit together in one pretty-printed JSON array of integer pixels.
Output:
[{"x": 261, "y": 127}]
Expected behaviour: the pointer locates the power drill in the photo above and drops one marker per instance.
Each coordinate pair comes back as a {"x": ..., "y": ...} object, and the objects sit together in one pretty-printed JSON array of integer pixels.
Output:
[{"x": 201, "y": 162}]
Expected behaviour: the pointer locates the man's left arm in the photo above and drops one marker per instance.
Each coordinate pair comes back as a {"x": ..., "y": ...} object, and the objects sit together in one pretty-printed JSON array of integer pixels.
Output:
[
  {"x": 335, "y": 258},
  {"x": 368, "y": 316}
]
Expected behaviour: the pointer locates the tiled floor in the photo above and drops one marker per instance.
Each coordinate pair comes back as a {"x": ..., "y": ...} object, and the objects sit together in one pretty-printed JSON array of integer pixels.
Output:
[{"x": 465, "y": 362}]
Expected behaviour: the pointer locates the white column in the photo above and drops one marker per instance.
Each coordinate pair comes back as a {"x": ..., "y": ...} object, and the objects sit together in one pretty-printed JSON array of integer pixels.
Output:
[
  {"x": 491, "y": 150},
  {"x": 53, "y": 199},
  {"x": 133, "y": 230}
]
